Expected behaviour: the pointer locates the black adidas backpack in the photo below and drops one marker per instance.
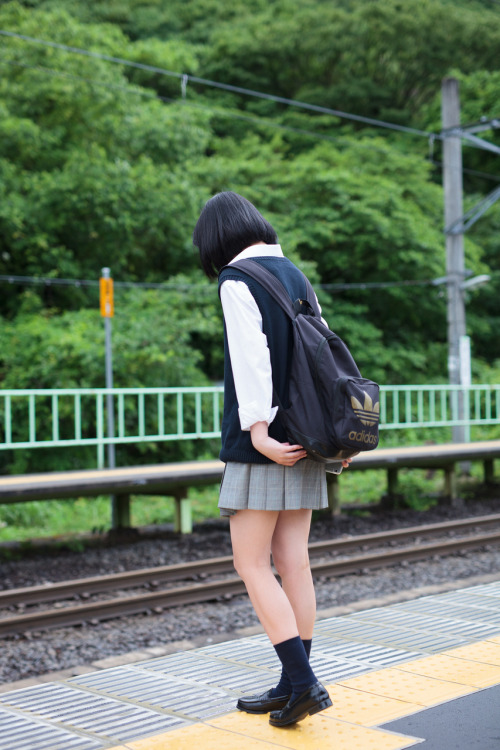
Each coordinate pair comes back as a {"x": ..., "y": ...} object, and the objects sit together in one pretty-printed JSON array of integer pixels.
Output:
[{"x": 333, "y": 412}]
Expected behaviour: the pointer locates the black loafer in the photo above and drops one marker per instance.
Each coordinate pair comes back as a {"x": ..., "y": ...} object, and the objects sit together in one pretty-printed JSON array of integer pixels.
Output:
[
  {"x": 262, "y": 704},
  {"x": 311, "y": 701}
]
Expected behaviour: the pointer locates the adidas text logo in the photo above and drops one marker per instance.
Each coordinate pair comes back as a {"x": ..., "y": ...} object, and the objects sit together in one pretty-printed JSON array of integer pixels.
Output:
[
  {"x": 363, "y": 437},
  {"x": 367, "y": 413}
]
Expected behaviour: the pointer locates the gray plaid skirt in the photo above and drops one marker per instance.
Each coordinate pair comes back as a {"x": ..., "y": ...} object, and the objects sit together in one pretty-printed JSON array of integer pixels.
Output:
[{"x": 273, "y": 487}]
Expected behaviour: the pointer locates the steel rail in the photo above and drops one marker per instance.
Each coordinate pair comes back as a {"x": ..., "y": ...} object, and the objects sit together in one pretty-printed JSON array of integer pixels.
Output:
[
  {"x": 203, "y": 592},
  {"x": 218, "y": 565},
  {"x": 221, "y": 565}
]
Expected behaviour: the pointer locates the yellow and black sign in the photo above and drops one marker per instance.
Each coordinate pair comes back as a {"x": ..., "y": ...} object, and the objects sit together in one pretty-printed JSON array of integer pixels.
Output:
[{"x": 106, "y": 297}]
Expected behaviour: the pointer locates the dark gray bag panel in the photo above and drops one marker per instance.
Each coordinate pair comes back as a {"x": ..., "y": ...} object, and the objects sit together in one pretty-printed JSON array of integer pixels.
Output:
[{"x": 333, "y": 412}]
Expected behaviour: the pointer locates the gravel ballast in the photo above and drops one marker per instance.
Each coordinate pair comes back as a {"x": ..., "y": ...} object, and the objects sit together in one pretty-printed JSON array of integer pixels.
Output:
[{"x": 35, "y": 654}]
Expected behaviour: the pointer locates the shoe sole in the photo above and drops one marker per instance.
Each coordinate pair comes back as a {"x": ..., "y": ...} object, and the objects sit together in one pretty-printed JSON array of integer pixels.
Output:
[
  {"x": 260, "y": 710},
  {"x": 310, "y": 712}
]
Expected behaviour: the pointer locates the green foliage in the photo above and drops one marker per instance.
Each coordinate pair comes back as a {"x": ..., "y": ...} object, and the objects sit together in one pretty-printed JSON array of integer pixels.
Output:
[
  {"x": 58, "y": 518},
  {"x": 28, "y": 515},
  {"x": 153, "y": 335},
  {"x": 94, "y": 172},
  {"x": 479, "y": 92},
  {"x": 151, "y": 341},
  {"x": 378, "y": 58},
  {"x": 103, "y": 164},
  {"x": 129, "y": 217},
  {"x": 360, "y": 213}
]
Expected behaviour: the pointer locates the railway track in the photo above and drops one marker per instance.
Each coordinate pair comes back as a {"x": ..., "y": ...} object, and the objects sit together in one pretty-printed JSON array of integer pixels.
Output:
[{"x": 329, "y": 558}]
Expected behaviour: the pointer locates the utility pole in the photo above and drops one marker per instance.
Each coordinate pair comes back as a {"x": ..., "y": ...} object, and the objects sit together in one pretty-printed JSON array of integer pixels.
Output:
[{"x": 455, "y": 266}]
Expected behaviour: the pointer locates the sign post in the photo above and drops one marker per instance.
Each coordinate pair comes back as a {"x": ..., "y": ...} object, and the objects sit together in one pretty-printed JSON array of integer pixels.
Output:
[{"x": 120, "y": 506}]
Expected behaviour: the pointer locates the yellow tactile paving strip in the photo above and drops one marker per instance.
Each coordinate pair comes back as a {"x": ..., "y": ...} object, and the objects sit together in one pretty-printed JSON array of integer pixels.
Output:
[
  {"x": 465, "y": 673},
  {"x": 486, "y": 652},
  {"x": 366, "y": 709},
  {"x": 360, "y": 704},
  {"x": 315, "y": 732},
  {"x": 401, "y": 685}
]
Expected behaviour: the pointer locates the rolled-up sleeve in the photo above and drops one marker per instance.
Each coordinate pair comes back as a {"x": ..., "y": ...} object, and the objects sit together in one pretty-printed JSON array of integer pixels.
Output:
[{"x": 249, "y": 354}]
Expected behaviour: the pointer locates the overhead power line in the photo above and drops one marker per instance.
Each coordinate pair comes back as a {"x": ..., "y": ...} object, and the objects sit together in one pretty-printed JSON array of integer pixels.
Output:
[
  {"x": 472, "y": 172},
  {"x": 51, "y": 281},
  {"x": 253, "y": 119},
  {"x": 168, "y": 287},
  {"x": 375, "y": 285},
  {"x": 185, "y": 78}
]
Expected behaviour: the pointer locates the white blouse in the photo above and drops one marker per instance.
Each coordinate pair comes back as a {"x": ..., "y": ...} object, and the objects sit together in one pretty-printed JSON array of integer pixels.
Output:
[{"x": 248, "y": 349}]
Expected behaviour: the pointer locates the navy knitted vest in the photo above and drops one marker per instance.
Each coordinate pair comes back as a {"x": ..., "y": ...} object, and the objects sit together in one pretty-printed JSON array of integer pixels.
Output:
[{"x": 236, "y": 443}]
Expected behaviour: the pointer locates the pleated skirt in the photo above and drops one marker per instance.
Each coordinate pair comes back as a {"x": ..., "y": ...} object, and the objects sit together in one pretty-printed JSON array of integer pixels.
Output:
[{"x": 273, "y": 487}]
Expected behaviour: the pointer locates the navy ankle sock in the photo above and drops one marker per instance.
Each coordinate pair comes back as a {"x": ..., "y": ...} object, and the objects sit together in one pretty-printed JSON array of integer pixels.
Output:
[
  {"x": 293, "y": 655},
  {"x": 284, "y": 686},
  {"x": 307, "y": 645}
]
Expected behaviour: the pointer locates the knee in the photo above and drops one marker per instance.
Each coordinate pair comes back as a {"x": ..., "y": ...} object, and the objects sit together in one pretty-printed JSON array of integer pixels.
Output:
[
  {"x": 247, "y": 567},
  {"x": 290, "y": 564},
  {"x": 238, "y": 566}
]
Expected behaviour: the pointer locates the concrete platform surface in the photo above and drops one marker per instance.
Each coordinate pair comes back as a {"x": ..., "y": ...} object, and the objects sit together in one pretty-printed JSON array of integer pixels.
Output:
[
  {"x": 422, "y": 672},
  {"x": 471, "y": 723}
]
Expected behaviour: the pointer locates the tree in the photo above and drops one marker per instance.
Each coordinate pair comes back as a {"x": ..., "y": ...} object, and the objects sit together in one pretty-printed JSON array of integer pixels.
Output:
[
  {"x": 94, "y": 171},
  {"x": 99, "y": 168},
  {"x": 358, "y": 213},
  {"x": 381, "y": 59},
  {"x": 153, "y": 332}
]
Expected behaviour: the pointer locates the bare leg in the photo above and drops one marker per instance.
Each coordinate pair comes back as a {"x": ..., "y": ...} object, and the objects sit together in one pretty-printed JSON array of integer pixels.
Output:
[
  {"x": 251, "y": 535},
  {"x": 291, "y": 559}
]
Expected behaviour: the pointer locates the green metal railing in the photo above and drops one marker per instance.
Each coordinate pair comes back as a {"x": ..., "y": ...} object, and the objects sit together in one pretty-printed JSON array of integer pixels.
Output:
[
  {"x": 403, "y": 406},
  {"x": 48, "y": 418}
]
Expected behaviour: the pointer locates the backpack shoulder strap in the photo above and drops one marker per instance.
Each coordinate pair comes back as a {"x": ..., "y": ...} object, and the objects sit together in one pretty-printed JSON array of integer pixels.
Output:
[{"x": 274, "y": 286}]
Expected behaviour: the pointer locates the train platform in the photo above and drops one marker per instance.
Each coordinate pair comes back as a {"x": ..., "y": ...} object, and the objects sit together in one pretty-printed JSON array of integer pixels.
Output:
[{"x": 421, "y": 672}]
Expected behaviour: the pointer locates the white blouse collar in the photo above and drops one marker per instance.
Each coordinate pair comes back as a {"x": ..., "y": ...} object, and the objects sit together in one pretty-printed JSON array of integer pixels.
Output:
[{"x": 256, "y": 251}]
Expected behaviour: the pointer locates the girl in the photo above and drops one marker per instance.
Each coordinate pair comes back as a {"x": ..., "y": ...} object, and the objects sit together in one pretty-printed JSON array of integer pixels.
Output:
[{"x": 269, "y": 487}]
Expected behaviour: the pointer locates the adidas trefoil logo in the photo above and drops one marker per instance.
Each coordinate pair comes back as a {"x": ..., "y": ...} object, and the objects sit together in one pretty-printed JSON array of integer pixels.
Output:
[{"x": 368, "y": 413}]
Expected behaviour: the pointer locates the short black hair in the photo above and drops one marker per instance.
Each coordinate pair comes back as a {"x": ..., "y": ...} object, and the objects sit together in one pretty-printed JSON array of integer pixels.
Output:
[{"x": 227, "y": 225}]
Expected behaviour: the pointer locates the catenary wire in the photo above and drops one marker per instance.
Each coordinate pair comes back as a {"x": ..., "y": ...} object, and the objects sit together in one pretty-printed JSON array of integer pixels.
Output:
[
  {"x": 253, "y": 119},
  {"x": 472, "y": 172},
  {"x": 237, "y": 89},
  {"x": 48, "y": 281},
  {"x": 168, "y": 287},
  {"x": 185, "y": 78},
  {"x": 54, "y": 281},
  {"x": 225, "y": 86}
]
